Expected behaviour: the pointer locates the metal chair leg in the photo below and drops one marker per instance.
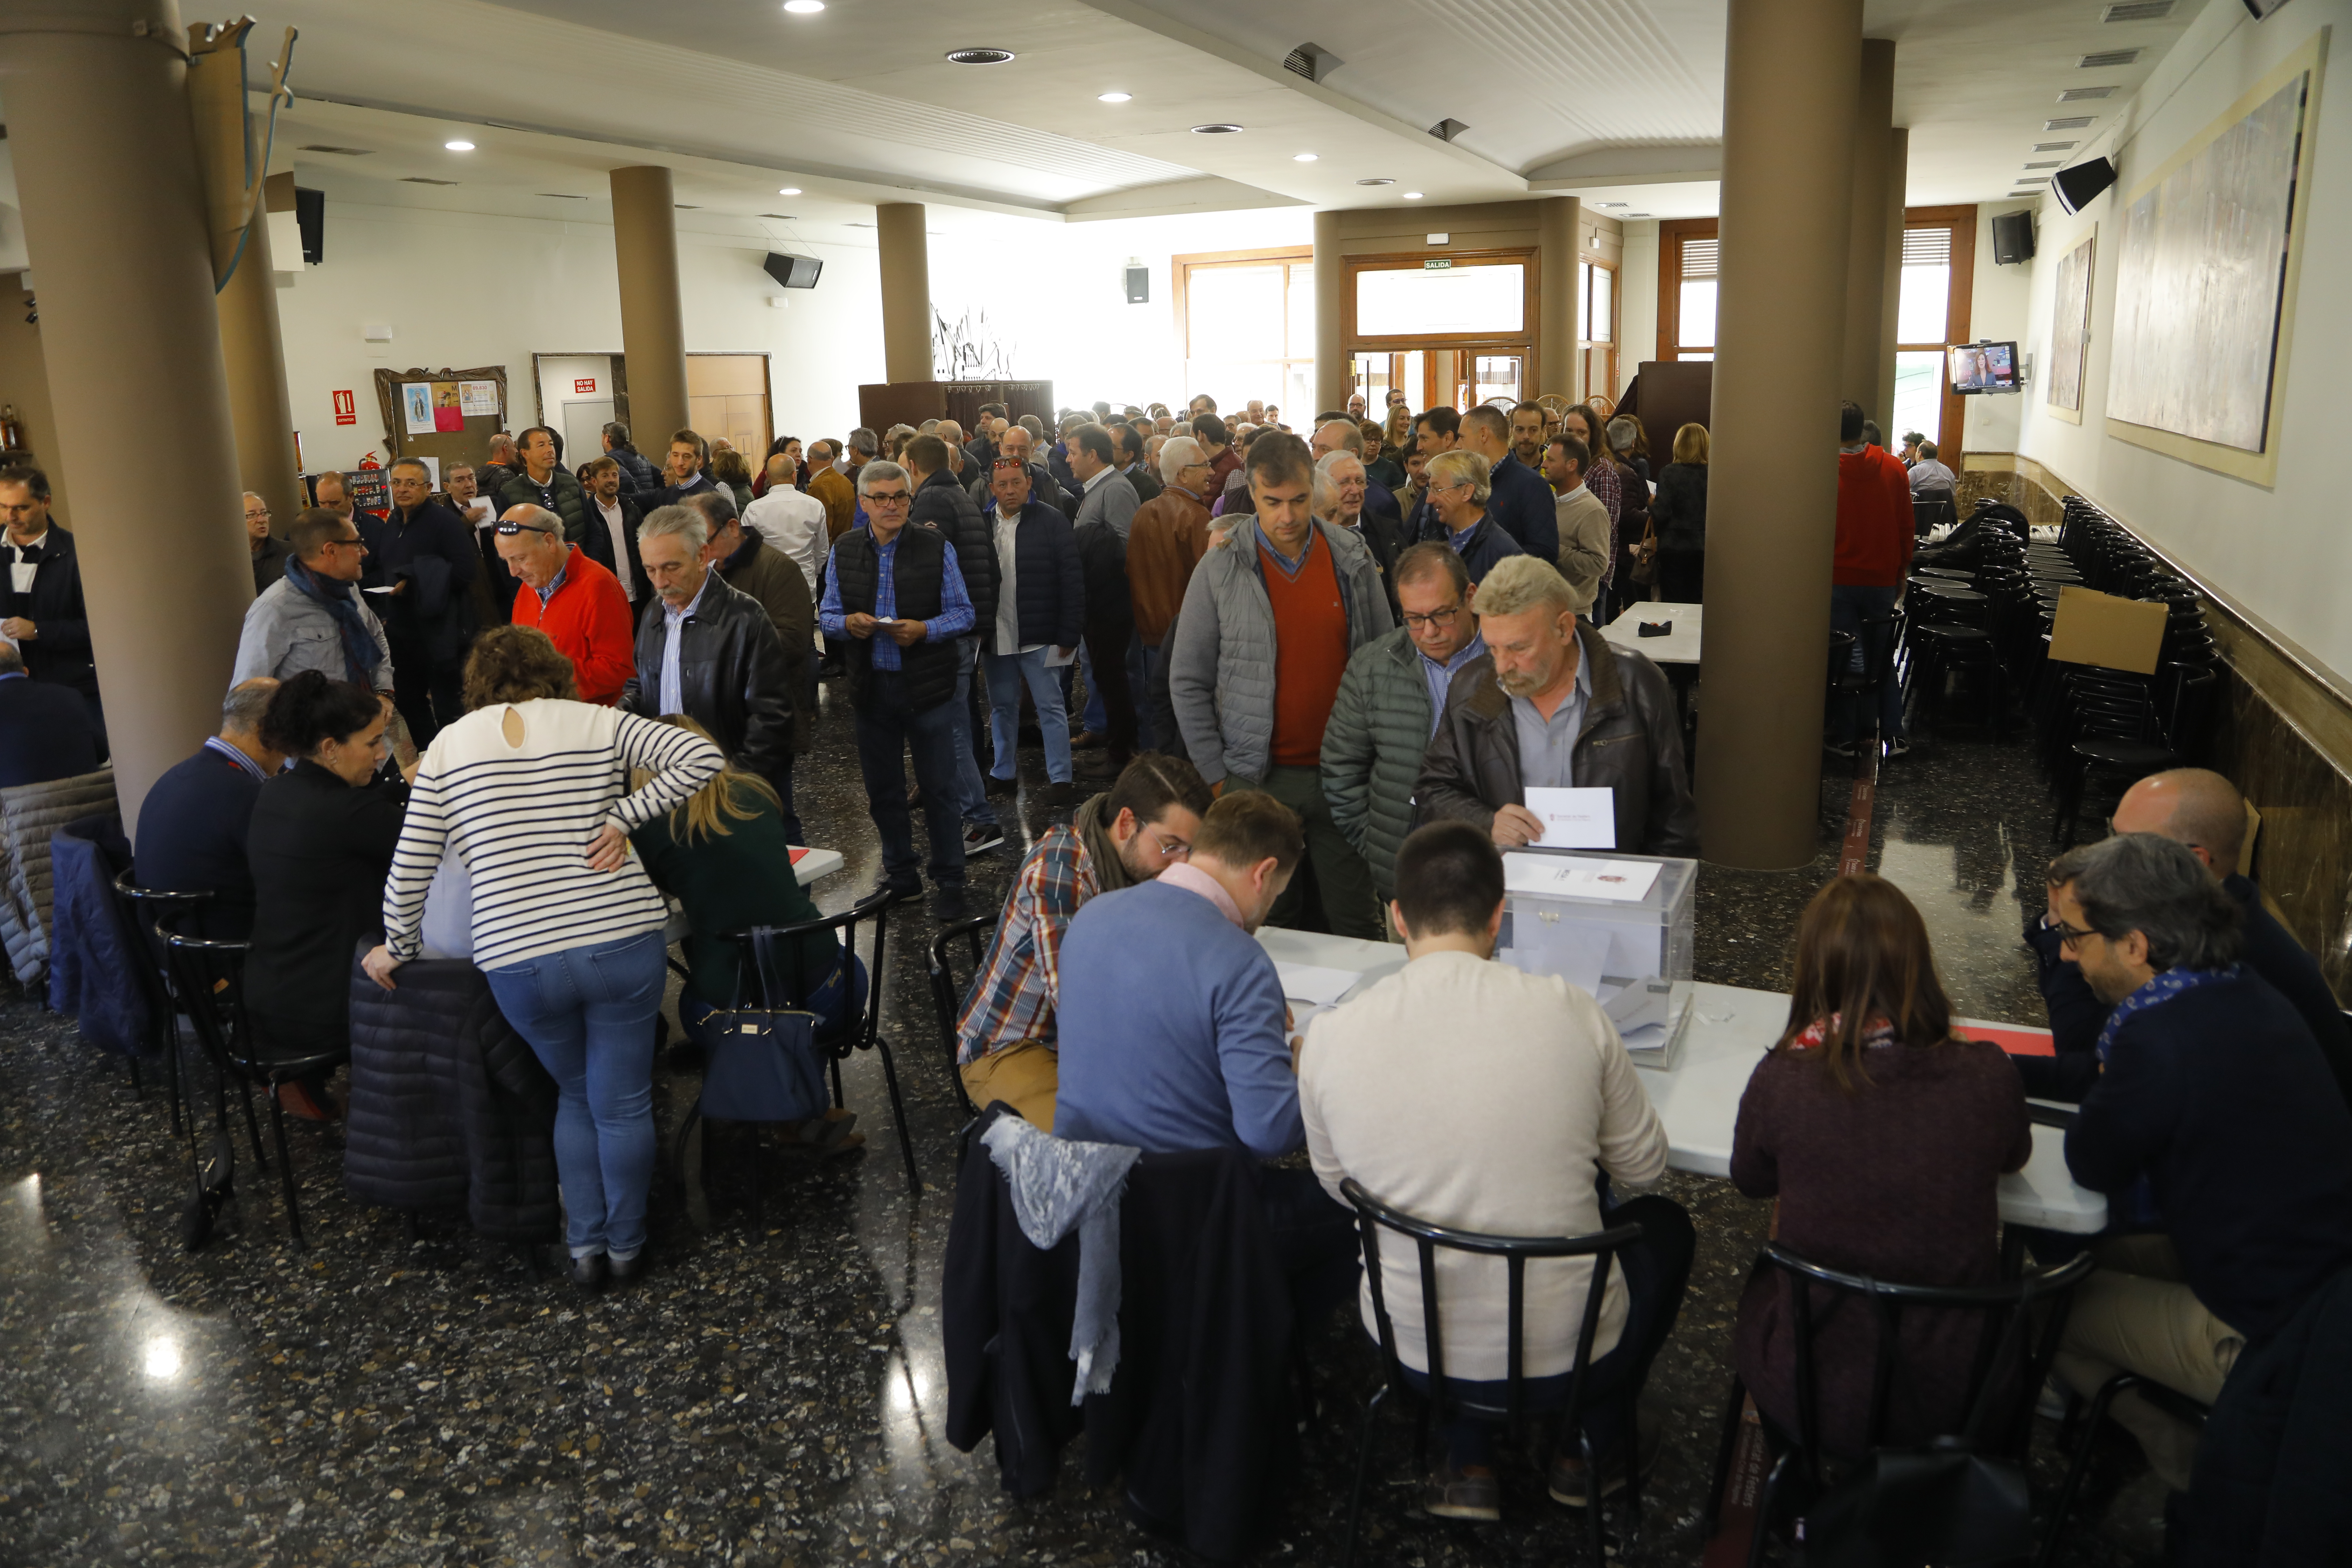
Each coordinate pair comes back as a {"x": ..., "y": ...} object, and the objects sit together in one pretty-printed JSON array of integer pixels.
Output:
[
  {"x": 135, "y": 1091},
  {"x": 1725, "y": 1447},
  {"x": 2064, "y": 1504},
  {"x": 1764, "y": 1505},
  {"x": 286, "y": 1172},
  {"x": 252, "y": 1127},
  {"x": 1363, "y": 1463},
  {"x": 898, "y": 1111},
  {"x": 1594, "y": 1528}
]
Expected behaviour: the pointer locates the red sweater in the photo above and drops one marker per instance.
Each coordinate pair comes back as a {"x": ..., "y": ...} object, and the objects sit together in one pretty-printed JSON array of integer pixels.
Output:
[
  {"x": 588, "y": 621},
  {"x": 1873, "y": 520},
  {"x": 1311, "y": 652}
]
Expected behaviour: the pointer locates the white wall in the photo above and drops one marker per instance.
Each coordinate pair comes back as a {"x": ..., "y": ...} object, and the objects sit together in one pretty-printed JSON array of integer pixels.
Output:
[
  {"x": 1637, "y": 311},
  {"x": 2283, "y": 552},
  {"x": 2000, "y": 308}
]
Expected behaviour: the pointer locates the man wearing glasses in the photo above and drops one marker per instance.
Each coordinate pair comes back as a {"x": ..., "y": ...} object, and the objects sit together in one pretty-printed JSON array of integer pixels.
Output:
[
  {"x": 315, "y": 616},
  {"x": 1006, "y": 1039},
  {"x": 894, "y": 600},
  {"x": 1388, "y": 708}
]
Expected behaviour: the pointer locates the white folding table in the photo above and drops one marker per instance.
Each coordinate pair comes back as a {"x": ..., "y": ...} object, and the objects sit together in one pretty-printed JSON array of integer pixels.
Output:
[{"x": 1679, "y": 647}]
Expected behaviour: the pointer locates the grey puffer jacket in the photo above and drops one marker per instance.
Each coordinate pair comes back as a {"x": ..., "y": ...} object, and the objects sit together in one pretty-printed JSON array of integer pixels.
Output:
[
  {"x": 1372, "y": 750},
  {"x": 1220, "y": 668}
]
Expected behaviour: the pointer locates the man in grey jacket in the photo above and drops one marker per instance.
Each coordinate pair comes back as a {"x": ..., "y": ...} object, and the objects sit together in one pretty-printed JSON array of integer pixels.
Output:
[
  {"x": 314, "y": 617},
  {"x": 1253, "y": 705}
]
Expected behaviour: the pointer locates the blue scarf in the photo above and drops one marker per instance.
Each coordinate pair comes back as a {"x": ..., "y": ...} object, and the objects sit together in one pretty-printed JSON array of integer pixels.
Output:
[
  {"x": 2140, "y": 1202},
  {"x": 361, "y": 654}
]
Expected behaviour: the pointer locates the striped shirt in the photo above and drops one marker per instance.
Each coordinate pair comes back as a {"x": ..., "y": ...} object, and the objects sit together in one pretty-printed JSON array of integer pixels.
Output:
[{"x": 521, "y": 818}]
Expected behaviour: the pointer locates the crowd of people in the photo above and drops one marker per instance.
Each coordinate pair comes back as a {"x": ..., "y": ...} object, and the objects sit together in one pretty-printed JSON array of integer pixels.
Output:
[{"x": 519, "y": 719}]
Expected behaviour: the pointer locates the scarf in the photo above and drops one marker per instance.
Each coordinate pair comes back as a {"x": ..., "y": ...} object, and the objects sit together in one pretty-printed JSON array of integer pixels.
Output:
[
  {"x": 2139, "y": 1204},
  {"x": 1876, "y": 1033},
  {"x": 1087, "y": 822},
  {"x": 361, "y": 654},
  {"x": 1059, "y": 1186}
]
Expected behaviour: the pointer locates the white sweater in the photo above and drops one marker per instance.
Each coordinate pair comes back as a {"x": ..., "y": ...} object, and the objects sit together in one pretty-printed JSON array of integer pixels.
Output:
[
  {"x": 521, "y": 819},
  {"x": 1468, "y": 1093}
]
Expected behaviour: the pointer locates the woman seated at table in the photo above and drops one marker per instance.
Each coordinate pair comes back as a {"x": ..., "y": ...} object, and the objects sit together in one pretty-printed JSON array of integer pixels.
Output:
[
  {"x": 319, "y": 844},
  {"x": 1884, "y": 1137},
  {"x": 725, "y": 857}
]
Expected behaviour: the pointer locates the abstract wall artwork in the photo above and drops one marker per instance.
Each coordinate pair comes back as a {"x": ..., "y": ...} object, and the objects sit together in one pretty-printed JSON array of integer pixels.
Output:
[
  {"x": 2070, "y": 331},
  {"x": 2201, "y": 279}
]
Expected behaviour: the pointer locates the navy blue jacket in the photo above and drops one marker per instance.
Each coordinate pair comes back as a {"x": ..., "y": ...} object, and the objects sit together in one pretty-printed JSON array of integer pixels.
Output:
[
  {"x": 1522, "y": 503},
  {"x": 192, "y": 834},
  {"x": 1048, "y": 581},
  {"x": 1380, "y": 501},
  {"x": 435, "y": 553},
  {"x": 61, "y": 649},
  {"x": 2076, "y": 1016},
  {"x": 2221, "y": 1101},
  {"x": 1488, "y": 544},
  {"x": 46, "y": 731},
  {"x": 949, "y": 511}
]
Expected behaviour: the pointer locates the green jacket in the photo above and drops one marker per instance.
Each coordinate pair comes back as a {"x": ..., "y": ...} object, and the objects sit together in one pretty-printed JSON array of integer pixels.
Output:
[
  {"x": 571, "y": 503},
  {"x": 729, "y": 883},
  {"x": 1372, "y": 749}
]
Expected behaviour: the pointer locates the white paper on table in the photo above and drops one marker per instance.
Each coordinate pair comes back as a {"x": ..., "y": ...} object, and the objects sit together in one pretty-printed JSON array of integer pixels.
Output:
[
  {"x": 1312, "y": 982},
  {"x": 1619, "y": 881},
  {"x": 1055, "y": 658},
  {"x": 1583, "y": 819},
  {"x": 416, "y": 407}
]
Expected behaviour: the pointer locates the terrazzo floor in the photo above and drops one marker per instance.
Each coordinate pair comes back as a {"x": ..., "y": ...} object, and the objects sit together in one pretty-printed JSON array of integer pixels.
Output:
[{"x": 772, "y": 1392}]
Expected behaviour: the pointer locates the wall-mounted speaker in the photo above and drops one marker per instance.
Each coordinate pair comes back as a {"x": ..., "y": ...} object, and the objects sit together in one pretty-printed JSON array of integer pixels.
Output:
[
  {"x": 1138, "y": 285},
  {"x": 2012, "y": 238},
  {"x": 2079, "y": 186},
  {"x": 310, "y": 216},
  {"x": 794, "y": 271}
]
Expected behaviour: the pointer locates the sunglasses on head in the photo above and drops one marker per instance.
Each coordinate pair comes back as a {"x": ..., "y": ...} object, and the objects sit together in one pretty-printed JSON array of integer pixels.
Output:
[{"x": 514, "y": 527}]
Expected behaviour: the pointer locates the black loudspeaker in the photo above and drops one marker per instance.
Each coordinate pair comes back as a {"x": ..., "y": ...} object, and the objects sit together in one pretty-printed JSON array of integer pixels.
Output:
[
  {"x": 794, "y": 271},
  {"x": 2079, "y": 186},
  {"x": 1138, "y": 285},
  {"x": 2012, "y": 237},
  {"x": 311, "y": 217}
]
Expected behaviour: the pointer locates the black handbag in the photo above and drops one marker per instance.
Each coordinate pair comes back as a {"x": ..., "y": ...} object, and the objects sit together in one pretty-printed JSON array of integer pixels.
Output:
[{"x": 1943, "y": 1504}]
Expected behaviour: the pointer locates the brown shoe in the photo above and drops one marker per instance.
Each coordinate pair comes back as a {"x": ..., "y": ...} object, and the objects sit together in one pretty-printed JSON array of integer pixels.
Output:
[
  {"x": 297, "y": 1100},
  {"x": 1471, "y": 1493},
  {"x": 1087, "y": 741},
  {"x": 1571, "y": 1485}
]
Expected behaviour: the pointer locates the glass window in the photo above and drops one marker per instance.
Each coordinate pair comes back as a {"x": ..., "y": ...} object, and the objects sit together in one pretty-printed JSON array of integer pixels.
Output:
[
  {"x": 1603, "y": 312},
  {"x": 1919, "y": 313},
  {"x": 1301, "y": 312},
  {"x": 1583, "y": 297},
  {"x": 1235, "y": 312},
  {"x": 1394, "y": 302},
  {"x": 1695, "y": 315},
  {"x": 1918, "y": 392},
  {"x": 1499, "y": 375}
]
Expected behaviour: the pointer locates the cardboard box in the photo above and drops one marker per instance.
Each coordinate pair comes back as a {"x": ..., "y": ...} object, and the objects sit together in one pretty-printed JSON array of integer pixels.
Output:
[{"x": 2101, "y": 629}]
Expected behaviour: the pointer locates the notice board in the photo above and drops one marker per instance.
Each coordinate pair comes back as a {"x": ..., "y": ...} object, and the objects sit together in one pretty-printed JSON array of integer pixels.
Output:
[{"x": 446, "y": 414}]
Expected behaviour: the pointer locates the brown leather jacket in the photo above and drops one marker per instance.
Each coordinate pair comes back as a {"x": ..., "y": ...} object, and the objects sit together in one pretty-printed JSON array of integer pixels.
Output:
[{"x": 1632, "y": 741}]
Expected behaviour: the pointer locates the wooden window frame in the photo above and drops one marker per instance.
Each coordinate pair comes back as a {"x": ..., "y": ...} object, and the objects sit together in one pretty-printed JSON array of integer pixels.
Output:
[
  {"x": 1522, "y": 343},
  {"x": 1961, "y": 288},
  {"x": 1672, "y": 232}
]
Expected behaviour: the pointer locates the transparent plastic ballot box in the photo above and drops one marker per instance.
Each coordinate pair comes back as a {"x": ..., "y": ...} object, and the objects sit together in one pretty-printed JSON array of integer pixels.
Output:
[{"x": 1618, "y": 926}]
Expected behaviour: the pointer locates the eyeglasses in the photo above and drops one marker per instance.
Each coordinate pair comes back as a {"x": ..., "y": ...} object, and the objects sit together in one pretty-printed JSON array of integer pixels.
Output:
[
  {"x": 355, "y": 542},
  {"x": 1457, "y": 485},
  {"x": 2070, "y": 935},
  {"x": 886, "y": 498},
  {"x": 512, "y": 529},
  {"x": 1168, "y": 846},
  {"x": 1442, "y": 619}
]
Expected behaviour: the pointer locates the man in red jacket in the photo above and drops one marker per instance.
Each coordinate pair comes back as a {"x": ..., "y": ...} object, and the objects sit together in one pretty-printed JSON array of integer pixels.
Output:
[
  {"x": 578, "y": 603},
  {"x": 1874, "y": 558}
]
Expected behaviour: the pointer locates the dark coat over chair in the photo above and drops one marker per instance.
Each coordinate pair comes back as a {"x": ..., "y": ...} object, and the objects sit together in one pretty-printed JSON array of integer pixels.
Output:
[
  {"x": 46, "y": 732},
  {"x": 319, "y": 851}
]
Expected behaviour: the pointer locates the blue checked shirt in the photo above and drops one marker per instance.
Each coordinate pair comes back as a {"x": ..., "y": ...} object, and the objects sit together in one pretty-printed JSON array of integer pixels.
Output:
[{"x": 955, "y": 617}]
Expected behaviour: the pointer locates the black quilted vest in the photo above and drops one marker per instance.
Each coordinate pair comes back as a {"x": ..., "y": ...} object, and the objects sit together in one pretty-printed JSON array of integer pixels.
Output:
[{"x": 917, "y": 567}]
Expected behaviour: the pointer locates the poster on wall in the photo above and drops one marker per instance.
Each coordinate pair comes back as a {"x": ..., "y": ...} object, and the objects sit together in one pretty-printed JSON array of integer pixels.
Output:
[
  {"x": 2201, "y": 280},
  {"x": 2069, "y": 332},
  {"x": 446, "y": 413},
  {"x": 416, "y": 407},
  {"x": 477, "y": 399}
]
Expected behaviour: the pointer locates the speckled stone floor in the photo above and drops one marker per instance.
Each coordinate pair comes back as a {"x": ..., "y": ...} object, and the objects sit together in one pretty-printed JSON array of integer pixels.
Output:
[{"x": 773, "y": 1391}]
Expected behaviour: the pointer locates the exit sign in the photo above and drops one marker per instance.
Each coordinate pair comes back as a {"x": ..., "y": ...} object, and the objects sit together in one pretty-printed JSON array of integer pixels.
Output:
[
  {"x": 584, "y": 384},
  {"x": 1437, "y": 266},
  {"x": 347, "y": 410}
]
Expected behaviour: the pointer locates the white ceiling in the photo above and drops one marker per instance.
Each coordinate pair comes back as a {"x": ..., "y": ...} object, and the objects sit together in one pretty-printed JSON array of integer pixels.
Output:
[{"x": 1614, "y": 99}]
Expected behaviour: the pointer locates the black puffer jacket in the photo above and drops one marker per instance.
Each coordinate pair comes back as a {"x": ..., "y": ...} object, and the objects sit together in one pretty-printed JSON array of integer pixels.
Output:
[
  {"x": 1102, "y": 560},
  {"x": 449, "y": 1106},
  {"x": 733, "y": 677},
  {"x": 1678, "y": 511},
  {"x": 943, "y": 507},
  {"x": 1046, "y": 580},
  {"x": 562, "y": 496}
]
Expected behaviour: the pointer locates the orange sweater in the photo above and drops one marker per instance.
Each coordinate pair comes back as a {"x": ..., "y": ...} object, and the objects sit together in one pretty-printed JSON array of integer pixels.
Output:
[
  {"x": 1311, "y": 652},
  {"x": 588, "y": 621}
]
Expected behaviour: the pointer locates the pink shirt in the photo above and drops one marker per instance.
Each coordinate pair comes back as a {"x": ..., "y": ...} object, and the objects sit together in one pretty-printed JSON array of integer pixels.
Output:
[{"x": 1193, "y": 880}]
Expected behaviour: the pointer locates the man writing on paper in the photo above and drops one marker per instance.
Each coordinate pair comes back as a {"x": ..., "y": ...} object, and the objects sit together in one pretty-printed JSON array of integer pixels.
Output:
[{"x": 1553, "y": 706}]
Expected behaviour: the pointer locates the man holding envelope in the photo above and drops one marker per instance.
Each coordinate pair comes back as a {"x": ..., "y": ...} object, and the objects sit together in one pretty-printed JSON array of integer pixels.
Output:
[{"x": 1551, "y": 718}]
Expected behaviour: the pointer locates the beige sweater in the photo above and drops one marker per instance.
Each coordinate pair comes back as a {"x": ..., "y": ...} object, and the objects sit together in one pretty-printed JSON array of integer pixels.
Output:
[{"x": 1466, "y": 1092}]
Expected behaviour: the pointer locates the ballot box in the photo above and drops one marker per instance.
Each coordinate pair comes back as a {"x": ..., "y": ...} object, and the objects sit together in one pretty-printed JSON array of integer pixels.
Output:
[{"x": 1618, "y": 926}]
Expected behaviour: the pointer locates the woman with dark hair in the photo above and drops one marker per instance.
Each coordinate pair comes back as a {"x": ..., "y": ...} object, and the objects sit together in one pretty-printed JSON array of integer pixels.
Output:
[
  {"x": 1380, "y": 464},
  {"x": 320, "y": 842},
  {"x": 526, "y": 791},
  {"x": 729, "y": 470},
  {"x": 1679, "y": 512},
  {"x": 1884, "y": 1137},
  {"x": 788, "y": 446}
]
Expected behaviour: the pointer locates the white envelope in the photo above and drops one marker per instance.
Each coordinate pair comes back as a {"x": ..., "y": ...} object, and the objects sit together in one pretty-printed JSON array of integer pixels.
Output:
[{"x": 1576, "y": 818}]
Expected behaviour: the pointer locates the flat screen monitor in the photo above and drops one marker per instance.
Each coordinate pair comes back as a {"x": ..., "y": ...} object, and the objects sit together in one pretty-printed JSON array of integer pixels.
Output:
[{"x": 1983, "y": 367}]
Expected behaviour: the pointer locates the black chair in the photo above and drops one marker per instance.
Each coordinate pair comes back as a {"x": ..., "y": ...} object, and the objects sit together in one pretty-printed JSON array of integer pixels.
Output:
[
  {"x": 2011, "y": 1305},
  {"x": 2167, "y": 731},
  {"x": 863, "y": 1031},
  {"x": 146, "y": 912},
  {"x": 1372, "y": 1216},
  {"x": 2170, "y": 1401},
  {"x": 211, "y": 976},
  {"x": 947, "y": 997},
  {"x": 1882, "y": 642}
]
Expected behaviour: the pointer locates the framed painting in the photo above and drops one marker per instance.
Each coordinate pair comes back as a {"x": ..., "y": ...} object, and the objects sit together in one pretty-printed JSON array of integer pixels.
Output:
[{"x": 2069, "y": 332}]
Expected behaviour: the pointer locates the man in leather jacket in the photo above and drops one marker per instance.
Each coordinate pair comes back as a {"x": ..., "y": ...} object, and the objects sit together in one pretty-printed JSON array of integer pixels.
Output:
[
  {"x": 709, "y": 651},
  {"x": 1601, "y": 716}
]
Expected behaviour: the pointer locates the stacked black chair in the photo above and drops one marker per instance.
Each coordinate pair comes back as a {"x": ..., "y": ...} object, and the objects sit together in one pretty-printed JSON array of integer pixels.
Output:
[
  {"x": 1881, "y": 639},
  {"x": 147, "y": 912},
  {"x": 2172, "y": 1402},
  {"x": 947, "y": 997}
]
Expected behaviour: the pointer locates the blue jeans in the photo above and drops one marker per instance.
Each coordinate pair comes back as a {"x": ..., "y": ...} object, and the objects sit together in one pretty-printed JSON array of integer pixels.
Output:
[
  {"x": 1007, "y": 673},
  {"x": 835, "y": 1002},
  {"x": 971, "y": 796},
  {"x": 887, "y": 729},
  {"x": 1848, "y": 606},
  {"x": 1138, "y": 682},
  {"x": 588, "y": 1014},
  {"x": 1097, "y": 717}
]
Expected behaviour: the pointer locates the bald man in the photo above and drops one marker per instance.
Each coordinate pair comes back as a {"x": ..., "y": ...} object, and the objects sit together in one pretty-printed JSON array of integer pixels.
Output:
[{"x": 2204, "y": 811}]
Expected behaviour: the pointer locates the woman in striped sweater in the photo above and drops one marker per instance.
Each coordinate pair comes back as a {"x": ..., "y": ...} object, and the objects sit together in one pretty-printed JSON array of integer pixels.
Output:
[{"x": 530, "y": 790}]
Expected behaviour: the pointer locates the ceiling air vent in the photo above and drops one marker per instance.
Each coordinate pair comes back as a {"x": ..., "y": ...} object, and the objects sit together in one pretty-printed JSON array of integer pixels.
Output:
[
  {"x": 337, "y": 151},
  {"x": 2085, "y": 94},
  {"x": 2054, "y": 163},
  {"x": 1448, "y": 130},
  {"x": 2056, "y": 146},
  {"x": 561, "y": 197},
  {"x": 421, "y": 180},
  {"x": 2037, "y": 180},
  {"x": 1312, "y": 61},
  {"x": 2107, "y": 58},
  {"x": 980, "y": 57},
  {"x": 2076, "y": 122},
  {"x": 784, "y": 217},
  {"x": 2137, "y": 11}
]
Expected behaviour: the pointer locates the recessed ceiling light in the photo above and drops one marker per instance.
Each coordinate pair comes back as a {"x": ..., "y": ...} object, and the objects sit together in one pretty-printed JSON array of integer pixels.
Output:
[
  {"x": 803, "y": 7},
  {"x": 1215, "y": 129},
  {"x": 1302, "y": 157},
  {"x": 980, "y": 57},
  {"x": 1613, "y": 203},
  {"x": 1376, "y": 182},
  {"x": 1412, "y": 196},
  {"x": 1113, "y": 96},
  {"x": 789, "y": 191},
  {"x": 458, "y": 146}
]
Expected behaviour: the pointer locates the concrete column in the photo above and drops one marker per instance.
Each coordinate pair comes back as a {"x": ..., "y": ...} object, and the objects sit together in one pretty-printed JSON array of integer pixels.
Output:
[
  {"x": 653, "y": 322},
  {"x": 905, "y": 291},
  {"x": 1558, "y": 366},
  {"x": 1898, "y": 164},
  {"x": 1866, "y": 338},
  {"x": 114, "y": 218},
  {"x": 1788, "y": 192},
  {"x": 1331, "y": 377},
  {"x": 228, "y": 150}
]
